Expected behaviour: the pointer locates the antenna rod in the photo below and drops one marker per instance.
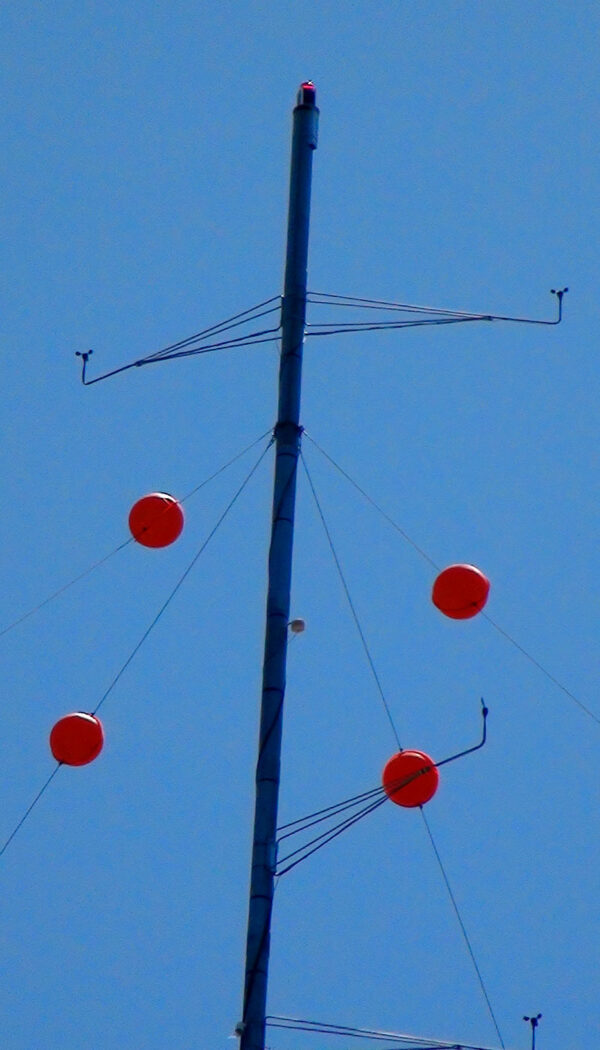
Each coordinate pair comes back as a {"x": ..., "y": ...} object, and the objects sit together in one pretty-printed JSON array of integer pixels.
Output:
[
  {"x": 534, "y": 1022},
  {"x": 287, "y": 449}
]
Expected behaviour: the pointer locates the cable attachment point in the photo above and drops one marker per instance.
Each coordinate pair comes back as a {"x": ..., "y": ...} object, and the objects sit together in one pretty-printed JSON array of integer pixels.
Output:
[
  {"x": 292, "y": 428},
  {"x": 288, "y": 423}
]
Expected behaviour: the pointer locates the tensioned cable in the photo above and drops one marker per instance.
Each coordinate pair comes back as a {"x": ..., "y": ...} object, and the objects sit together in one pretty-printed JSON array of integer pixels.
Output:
[
  {"x": 390, "y": 520},
  {"x": 351, "y": 604},
  {"x": 126, "y": 542},
  {"x": 224, "y": 326},
  {"x": 342, "y": 329},
  {"x": 423, "y": 554},
  {"x": 239, "y": 340},
  {"x": 29, "y": 809},
  {"x": 307, "y": 850},
  {"x": 371, "y": 1034},
  {"x": 183, "y": 577},
  {"x": 228, "y": 344},
  {"x": 177, "y": 349},
  {"x": 378, "y": 793},
  {"x": 325, "y": 298},
  {"x": 434, "y": 316},
  {"x": 226, "y": 466},
  {"x": 324, "y": 814},
  {"x": 65, "y": 587},
  {"x": 373, "y": 798},
  {"x": 349, "y": 822},
  {"x": 539, "y": 666},
  {"x": 463, "y": 928},
  {"x": 136, "y": 649}
]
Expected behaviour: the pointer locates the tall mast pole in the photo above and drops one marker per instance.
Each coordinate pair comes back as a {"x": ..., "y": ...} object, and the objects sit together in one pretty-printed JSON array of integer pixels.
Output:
[{"x": 287, "y": 450}]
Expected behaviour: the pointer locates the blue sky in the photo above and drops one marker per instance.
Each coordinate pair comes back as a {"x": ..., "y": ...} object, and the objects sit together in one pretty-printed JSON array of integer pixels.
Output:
[{"x": 144, "y": 195}]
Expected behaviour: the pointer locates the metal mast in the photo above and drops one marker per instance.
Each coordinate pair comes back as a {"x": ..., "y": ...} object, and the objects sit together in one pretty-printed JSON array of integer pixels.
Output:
[{"x": 287, "y": 450}]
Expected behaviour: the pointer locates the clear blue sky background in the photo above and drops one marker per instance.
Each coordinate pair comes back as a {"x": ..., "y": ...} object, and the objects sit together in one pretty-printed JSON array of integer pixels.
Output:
[{"x": 144, "y": 193}]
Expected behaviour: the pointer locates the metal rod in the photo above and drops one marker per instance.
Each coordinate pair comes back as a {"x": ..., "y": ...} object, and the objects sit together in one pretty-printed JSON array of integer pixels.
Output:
[
  {"x": 534, "y": 1021},
  {"x": 287, "y": 444}
]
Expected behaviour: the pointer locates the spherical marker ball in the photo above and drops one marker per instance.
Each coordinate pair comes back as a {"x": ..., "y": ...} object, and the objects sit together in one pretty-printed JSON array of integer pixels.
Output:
[
  {"x": 297, "y": 626},
  {"x": 156, "y": 520},
  {"x": 460, "y": 591},
  {"x": 410, "y": 778},
  {"x": 77, "y": 739}
]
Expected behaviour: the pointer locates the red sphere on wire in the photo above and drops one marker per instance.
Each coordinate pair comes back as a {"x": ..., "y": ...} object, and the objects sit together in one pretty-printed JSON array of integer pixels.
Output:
[
  {"x": 77, "y": 739},
  {"x": 410, "y": 778},
  {"x": 460, "y": 591},
  {"x": 156, "y": 520}
]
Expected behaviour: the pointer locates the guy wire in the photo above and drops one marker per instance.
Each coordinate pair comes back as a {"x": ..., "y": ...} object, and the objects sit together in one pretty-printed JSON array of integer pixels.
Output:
[
  {"x": 184, "y": 576},
  {"x": 436, "y": 851},
  {"x": 463, "y": 928},
  {"x": 351, "y": 604},
  {"x": 146, "y": 633},
  {"x": 97, "y": 564},
  {"x": 524, "y": 652}
]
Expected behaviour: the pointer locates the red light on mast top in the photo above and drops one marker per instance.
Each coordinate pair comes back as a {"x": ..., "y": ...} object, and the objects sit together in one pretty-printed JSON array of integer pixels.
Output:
[{"x": 307, "y": 95}]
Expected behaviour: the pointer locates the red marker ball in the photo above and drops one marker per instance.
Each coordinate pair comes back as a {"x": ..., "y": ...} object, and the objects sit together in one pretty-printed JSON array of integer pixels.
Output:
[
  {"x": 77, "y": 739},
  {"x": 156, "y": 520},
  {"x": 460, "y": 591},
  {"x": 410, "y": 778}
]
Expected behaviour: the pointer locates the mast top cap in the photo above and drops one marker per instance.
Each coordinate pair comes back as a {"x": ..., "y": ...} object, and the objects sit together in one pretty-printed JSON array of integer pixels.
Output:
[{"x": 307, "y": 94}]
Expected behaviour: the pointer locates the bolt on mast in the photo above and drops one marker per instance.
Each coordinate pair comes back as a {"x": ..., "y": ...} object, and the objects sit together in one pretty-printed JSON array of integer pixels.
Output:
[{"x": 287, "y": 449}]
